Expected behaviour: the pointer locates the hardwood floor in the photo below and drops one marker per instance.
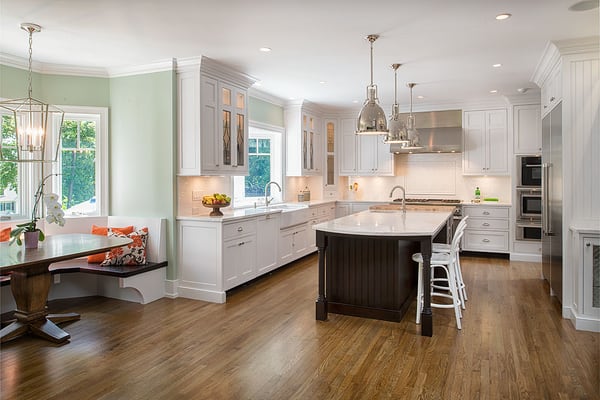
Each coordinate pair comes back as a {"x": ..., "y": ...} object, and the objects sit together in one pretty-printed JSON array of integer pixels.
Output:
[{"x": 265, "y": 343}]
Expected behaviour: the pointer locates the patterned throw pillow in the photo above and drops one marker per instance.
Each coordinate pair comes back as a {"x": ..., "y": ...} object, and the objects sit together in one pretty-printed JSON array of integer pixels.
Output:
[
  {"x": 103, "y": 231},
  {"x": 132, "y": 254}
]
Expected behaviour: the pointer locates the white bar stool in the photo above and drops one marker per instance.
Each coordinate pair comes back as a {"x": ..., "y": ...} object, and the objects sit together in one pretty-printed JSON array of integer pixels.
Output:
[
  {"x": 445, "y": 248},
  {"x": 446, "y": 262}
]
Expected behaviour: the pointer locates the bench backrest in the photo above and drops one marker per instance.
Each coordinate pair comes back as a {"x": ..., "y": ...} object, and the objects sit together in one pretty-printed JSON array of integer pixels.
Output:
[{"x": 156, "y": 248}]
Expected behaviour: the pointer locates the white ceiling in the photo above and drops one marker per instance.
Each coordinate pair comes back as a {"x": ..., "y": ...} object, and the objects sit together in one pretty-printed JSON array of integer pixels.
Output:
[{"x": 446, "y": 47}]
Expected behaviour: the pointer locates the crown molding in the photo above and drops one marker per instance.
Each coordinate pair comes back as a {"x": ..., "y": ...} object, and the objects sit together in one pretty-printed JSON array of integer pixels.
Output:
[
  {"x": 158, "y": 66},
  {"x": 52, "y": 69},
  {"x": 221, "y": 71}
]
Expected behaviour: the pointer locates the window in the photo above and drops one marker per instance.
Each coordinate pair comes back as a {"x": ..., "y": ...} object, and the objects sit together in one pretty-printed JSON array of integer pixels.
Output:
[
  {"x": 81, "y": 183},
  {"x": 264, "y": 165}
]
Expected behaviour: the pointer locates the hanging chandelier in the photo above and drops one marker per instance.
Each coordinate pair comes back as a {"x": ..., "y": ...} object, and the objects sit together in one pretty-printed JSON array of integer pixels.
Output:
[
  {"x": 371, "y": 119},
  {"x": 397, "y": 130},
  {"x": 413, "y": 133},
  {"x": 31, "y": 118}
]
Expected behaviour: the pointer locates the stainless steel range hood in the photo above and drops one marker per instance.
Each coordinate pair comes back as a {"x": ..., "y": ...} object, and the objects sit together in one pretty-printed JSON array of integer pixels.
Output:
[{"x": 440, "y": 132}]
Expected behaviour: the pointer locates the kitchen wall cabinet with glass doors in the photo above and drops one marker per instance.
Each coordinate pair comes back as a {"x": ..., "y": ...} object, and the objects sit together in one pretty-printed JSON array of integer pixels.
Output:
[
  {"x": 212, "y": 119},
  {"x": 303, "y": 139}
]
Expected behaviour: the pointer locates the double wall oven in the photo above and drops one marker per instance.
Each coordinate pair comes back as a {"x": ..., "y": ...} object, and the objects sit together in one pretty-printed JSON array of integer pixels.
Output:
[{"x": 529, "y": 198}]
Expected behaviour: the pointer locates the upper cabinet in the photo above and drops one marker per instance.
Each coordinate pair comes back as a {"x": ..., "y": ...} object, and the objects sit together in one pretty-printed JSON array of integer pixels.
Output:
[
  {"x": 364, "y": 155},
  {"x": 485, "y": 143},
  {"x": 303, "y": 139},
  {"x": 551, "y": 91},
  {"x": 212, "y": 119},
  {"x": 527, "y": 129}
]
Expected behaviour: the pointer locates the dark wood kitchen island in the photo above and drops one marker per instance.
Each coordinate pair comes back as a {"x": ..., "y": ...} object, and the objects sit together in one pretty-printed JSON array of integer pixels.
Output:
[{"x": 365, "y": 264}]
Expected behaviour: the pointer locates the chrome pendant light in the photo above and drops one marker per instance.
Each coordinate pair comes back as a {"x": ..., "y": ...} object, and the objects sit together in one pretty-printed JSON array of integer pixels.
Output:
[
  {"x": 371, "y": 119},
  {"x": 397, "y": 130},
  {"x": 413, "y": 133},
  {"x": 31, "y": 118}
]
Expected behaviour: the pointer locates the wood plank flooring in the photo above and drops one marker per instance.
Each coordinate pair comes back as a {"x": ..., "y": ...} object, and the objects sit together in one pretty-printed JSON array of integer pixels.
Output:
[{"x": 265, "y": 343}]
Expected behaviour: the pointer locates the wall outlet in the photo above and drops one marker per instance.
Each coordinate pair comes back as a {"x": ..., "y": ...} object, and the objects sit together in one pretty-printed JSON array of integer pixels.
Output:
[
  {"x": 56, "y": 278},
  {"x": 195, "y": 210},
  {"x": 196, "y": 195}
]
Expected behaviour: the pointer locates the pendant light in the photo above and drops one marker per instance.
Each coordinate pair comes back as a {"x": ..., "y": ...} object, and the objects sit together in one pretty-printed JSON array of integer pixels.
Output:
[
  {"x": 397, "y": 130},
  {"x": 413, "y": 133},
  {"x": 31, "y": 118},
  {"x": 371, "y": 119}
]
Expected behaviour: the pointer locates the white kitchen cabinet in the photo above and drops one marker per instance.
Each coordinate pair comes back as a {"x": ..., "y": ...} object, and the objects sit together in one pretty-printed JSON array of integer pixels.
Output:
[
  {"x": 591, "y": 275},
  {"x": 267, "y": 235},
  {"x": 239, "y": 261},
  {"x": 551, "y": 91},
  {"x": 364, "y": 155},
  {"x": 487, "y": 228},
  {"x": 485, "y": 143},
  {"x": 303, "y": 140},
  {"x": 293, "y": 243},
  {"x": 341, "y": 210},
  {"x": 527, "y": 129},
  {"x": 212, "y": 119},
  {"x": 330, "y": 166}
]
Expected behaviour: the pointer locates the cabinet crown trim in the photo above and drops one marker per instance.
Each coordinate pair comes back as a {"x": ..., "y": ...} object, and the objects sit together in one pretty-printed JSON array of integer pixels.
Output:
[{"x": 220, "y": 71}]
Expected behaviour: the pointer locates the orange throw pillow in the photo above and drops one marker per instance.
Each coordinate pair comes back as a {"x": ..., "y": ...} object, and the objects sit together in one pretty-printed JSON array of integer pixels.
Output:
[
  {"x": 103, "y": 231},
  {"x": 5, "y": 234}
]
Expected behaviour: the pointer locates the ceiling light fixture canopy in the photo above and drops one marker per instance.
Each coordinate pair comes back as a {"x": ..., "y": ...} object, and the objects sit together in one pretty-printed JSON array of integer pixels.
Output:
[
  {"x": 397, "y": 130},
  {"x": 31, "y": 118},
  {"x": 371, "y": 119},
  {"x": 413, "y": 133}
]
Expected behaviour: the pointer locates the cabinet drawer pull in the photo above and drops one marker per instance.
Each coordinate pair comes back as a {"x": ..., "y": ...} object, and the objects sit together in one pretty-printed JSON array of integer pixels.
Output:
[
  {"x": 588, "y": 244},
  {"x": 486, "y": 213},
  {"x": 485, "y": 224},
  {"x": 486, "y": 240},
  {"x": 552, "y": 98},
  {"x": 241, "y": 243},
  {"x": 240, "y": 229}
]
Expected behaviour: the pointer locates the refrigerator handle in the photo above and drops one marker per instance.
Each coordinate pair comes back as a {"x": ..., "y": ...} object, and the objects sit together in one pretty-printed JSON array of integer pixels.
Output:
[{"x": 546, "y": 220}]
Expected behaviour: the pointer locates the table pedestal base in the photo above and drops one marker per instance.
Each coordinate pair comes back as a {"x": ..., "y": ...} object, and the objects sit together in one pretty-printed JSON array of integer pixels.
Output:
[{"x": 30, "y": 289}]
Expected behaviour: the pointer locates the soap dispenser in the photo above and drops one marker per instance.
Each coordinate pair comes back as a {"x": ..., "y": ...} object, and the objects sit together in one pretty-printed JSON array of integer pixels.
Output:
[{"x": 477, "y": 194}]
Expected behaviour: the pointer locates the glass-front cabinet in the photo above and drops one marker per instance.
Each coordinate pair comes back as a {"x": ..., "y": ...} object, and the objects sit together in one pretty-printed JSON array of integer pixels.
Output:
[
  {"x": 304, "y": 140},
  {"x": 330, "y": 173},
  {"x": 233, "y": 129},
  {"x": 212, "y": 119}
]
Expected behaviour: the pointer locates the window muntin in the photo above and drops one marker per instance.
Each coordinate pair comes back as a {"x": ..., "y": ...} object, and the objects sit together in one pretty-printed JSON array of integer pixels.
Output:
[{"x": 265, "y": 164}]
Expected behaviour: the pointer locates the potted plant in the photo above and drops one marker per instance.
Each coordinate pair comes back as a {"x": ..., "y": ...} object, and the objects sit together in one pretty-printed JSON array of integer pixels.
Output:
[{"x": 29, "y": 230}]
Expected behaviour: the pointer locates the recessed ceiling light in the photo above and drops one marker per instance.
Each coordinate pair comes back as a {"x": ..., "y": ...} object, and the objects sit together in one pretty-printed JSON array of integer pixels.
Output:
[
  {"x": 420, "y": 97},
  {"x": 322, "y": 82},
  {"x": 493, "y": 91},
  {"x": 497, "y": 65},
  {"x": 265, "y": 49},
  {"x": 523, "y": 90},
  {"x": 291, "y": 98},
  {"x": 503, "y": 16},
  {"x": 355, "y": 101},
  {"x": 257, "y": 83},
  {"x": 584, "y": 5}
]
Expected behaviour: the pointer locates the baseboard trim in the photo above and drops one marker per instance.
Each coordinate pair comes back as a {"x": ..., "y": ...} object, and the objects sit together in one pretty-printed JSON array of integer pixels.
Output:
[{"x": 527, "y": 257}]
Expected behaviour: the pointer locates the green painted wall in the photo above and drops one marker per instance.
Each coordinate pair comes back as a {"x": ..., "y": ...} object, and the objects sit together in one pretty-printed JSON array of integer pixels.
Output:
[
  {"x": 262, "y": 111},
  {"x": 55, "y": 89},
  {"x": 142, "y": 150}
]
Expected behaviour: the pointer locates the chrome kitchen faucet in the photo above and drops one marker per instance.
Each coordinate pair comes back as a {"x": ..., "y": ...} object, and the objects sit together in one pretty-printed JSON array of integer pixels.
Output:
[
  {"x": 267, "y": 201},
  {"x": 403, "y": 196}
]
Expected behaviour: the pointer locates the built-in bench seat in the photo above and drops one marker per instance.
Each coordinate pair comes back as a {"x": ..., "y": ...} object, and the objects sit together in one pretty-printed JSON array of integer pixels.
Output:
[{"x": 78, "y": 278}]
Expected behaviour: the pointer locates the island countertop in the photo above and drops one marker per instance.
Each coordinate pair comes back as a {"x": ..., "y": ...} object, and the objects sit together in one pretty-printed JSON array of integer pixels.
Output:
[{"x": 383, "y": 223}]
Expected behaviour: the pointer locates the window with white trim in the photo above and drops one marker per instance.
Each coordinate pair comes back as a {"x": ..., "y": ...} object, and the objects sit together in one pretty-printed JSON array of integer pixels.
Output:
[{"x": 265, "y": 164}]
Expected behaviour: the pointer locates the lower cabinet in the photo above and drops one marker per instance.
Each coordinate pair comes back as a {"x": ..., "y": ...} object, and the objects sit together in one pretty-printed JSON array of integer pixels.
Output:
[
  {"x": 267, "y": 235},
  {"x": 293, "y": 243},
  {"x": 487, "y": 228},
  {"x": 239, "y": 261}
]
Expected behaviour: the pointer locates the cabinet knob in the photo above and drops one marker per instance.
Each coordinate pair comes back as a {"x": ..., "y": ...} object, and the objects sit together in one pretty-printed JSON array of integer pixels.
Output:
[
  {"x": 241, "y": 243},
  {"x": 486, "y": 213},
  {"x": 588, "y": 244},
  {"x": 240, "y": 229},
  {"x": 485, "y": 224},
  {"x": 552, "y": 98},
  {"x": 486, "y": 240}
]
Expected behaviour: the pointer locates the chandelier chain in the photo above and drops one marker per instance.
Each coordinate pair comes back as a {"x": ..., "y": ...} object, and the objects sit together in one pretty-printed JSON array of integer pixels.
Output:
[{"x": 30, "y": 60}]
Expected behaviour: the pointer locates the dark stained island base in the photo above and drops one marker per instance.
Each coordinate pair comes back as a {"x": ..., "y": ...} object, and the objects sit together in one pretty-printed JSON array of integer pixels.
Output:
[{"x": 365, "y": 263}]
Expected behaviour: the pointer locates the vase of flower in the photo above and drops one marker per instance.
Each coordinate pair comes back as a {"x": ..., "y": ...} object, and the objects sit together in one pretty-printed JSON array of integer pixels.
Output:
[{"x": 31, "y": 239}]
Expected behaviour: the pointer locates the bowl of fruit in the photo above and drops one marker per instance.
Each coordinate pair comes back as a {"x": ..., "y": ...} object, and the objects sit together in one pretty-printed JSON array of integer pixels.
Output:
[{"x": 216, "y": 202}]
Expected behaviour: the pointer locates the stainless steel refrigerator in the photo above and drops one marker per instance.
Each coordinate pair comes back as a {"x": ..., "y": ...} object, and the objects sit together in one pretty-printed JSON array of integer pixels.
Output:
[{"x": 552, "y": 201}]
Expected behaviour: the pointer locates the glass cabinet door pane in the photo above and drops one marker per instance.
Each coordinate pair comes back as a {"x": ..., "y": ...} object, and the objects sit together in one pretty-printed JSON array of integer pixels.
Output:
[
  {"x": 240, "y": 101},
  {"x": 226, "y": 138},
  {"x": 311, "y": 164},
  {"x": 330, "y": 169},
  {"x": 240, "y": 140},
  {"x": 226, "y": 97},
  {"x": 330, "y": 137},
  {"x": 304, "y": 149}
]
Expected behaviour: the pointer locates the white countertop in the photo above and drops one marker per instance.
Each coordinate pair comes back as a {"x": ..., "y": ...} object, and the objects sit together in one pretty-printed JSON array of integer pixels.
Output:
[
  {"x": 231, "y": 214},
  {"x": 374, "y": 223}
]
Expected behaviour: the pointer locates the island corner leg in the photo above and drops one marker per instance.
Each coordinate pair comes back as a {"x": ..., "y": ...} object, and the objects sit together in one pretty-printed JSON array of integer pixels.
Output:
[
  {"x": 426, "y": 316},
  {"x": 321, "y": 303}
]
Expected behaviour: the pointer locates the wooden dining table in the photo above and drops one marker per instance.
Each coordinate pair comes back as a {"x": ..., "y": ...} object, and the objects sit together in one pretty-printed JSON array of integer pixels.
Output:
[{"x": 30, "y": 281}]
